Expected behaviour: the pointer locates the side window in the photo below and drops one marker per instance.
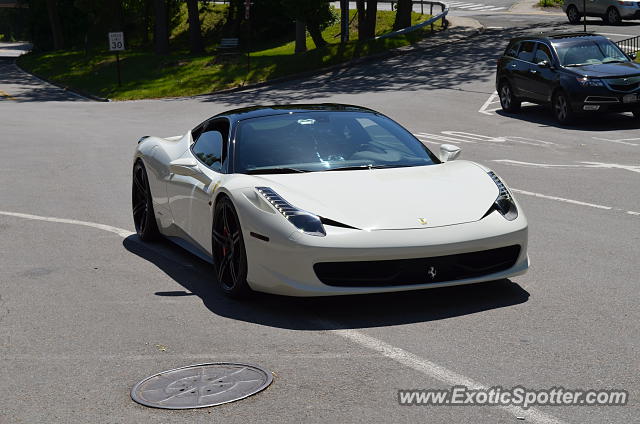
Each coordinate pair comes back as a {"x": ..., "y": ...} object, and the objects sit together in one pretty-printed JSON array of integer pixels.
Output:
[
  {"x": 526, "y": 51},
  {"x": 512, "y": 50},
  {"x": 543, "y": 53},
  {"x": 208, "y": 149}
]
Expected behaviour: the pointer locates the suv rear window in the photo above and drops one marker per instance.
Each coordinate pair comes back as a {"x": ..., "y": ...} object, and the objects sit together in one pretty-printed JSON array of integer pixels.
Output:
[{"x": 512, "y": 49}]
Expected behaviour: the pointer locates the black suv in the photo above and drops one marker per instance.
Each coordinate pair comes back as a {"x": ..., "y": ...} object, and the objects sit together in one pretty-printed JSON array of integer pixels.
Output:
[{"x": 574, "y": 73}]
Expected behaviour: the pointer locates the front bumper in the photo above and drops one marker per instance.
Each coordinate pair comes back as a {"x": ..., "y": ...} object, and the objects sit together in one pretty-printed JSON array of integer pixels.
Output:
[
  {"x": 631, "y": 11},
  {"x": 602, "y": 99},
  {"x": 286, "y": 266}
]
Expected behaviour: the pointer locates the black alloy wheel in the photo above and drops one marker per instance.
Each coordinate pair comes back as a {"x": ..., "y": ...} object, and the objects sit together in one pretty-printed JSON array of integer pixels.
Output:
[
  {"x": 229, "y": 254},
  {"x": 508, "y": 101},
  {"x": 142, "y": 205}
]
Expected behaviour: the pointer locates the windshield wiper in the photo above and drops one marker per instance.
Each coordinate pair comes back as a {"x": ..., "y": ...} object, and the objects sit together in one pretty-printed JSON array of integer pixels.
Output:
[
  {"x": 275, "y": 171},
  {"x": 577, "y": 64},
  {"x": 615, "y": 61}
]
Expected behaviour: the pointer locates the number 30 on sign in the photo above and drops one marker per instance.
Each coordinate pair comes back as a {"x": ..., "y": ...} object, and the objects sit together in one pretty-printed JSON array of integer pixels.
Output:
[{"x": 116, "y": 41}]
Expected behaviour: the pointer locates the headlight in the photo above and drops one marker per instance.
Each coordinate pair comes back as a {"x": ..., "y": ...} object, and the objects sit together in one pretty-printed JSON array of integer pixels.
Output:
[
  {"x": 590, "y": 82},
  {"x": 504, "y": 202},
  {"x": 304, "y": 221}
]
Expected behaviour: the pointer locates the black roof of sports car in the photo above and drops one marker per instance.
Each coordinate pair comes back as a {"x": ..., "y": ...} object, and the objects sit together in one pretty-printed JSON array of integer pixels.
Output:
[{"x": 258, "y": 111}]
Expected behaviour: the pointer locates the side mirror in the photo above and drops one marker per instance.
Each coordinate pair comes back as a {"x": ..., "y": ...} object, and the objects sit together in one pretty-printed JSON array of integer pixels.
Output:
[
  {"x": 449, "y": 152},
  {"x": 544, "y": 64},
  {"x": 633, "y": 56}
]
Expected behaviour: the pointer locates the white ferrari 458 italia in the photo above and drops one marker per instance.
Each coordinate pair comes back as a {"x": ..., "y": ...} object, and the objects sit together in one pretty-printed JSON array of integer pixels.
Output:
[{"x": 327, "y": 199}]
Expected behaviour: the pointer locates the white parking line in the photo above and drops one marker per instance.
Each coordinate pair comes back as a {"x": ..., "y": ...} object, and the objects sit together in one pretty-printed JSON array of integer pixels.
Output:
[
  {"x": 487, "y": 108},
  {"x": 119, "y": 231},
  {"x": 620, "y": 141},
  {"x": 435, "y": 371},
  {"x": 591, "y": 165},
  {"x": 457, "y": 137}
]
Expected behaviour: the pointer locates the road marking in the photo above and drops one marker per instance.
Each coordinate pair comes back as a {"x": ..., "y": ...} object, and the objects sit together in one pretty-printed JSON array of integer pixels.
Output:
[
  {"x": 473, "y": 6},
  {"x": 434, "y": 371},
  {"x": 119, "y": 231},
  {"x": 591, "y": 165},
  {"x": 490, "y": 101},
  {"x": 457, "y": 137},
  {"x": 620, "y": 141},
  {"x": 8, "y": 96},
  {"x": 560, "y": 199},
  {"x": 615, "y": 35}
]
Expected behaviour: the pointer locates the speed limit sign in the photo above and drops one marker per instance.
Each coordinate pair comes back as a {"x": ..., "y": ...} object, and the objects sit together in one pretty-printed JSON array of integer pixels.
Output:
[{"x": 116, "y": 41}]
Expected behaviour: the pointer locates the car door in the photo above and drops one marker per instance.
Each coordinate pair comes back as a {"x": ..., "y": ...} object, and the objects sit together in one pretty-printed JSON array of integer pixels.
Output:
[
  {"x": 193, "y": 178},
  {"x": 521, "y": 69},
  {"x": 541, "y": 78}
]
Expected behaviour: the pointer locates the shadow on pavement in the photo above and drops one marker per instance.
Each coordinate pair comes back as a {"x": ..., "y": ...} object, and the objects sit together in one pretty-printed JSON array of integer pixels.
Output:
[
  {"x": 595, "y": 122},
  {"x": 456, "y": 66},
  {"x": 362, "y": 311},
  {"x": 23, "y": 87}
]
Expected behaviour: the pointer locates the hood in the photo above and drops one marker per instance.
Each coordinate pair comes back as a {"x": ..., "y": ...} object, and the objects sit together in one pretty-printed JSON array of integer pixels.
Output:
[
  {"x": 608, "y": 70},
  {"x": 396, "y": 198}
]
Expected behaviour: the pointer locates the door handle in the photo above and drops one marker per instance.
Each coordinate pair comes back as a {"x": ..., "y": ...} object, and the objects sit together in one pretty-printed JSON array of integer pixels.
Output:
[
  {"x": 513, "y": 65},
  {"x": 533, "y": 71}
]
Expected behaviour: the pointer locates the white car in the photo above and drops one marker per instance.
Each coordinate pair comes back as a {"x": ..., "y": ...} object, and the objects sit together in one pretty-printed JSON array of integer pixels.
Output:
[
  {"x": 315, "y": 200},
  {"x": 611, "y": 11}
]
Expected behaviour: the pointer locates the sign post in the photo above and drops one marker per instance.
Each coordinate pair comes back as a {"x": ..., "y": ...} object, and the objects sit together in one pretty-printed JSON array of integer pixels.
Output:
[
  {"x": 116, "y": 44},
  {"x": 247, "y": 16}
]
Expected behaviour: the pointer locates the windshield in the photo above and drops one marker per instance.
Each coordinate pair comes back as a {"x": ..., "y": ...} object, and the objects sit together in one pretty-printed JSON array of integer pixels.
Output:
[
  {"x": 588, "y": 52},
  {"x": 324, "y": 141}
]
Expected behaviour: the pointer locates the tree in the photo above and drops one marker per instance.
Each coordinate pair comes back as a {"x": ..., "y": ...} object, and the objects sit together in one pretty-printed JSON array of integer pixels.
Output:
[
  {"x": 316, "y": 14},
  {"x": 161, "y": 31},
  {"x": 195, "y": 35},
  {"x": 403, "y": 14},
  {"x": 367, "y": 15},
  {"x": 301, "y": 36},
  {"x": 56, "y": 26}
]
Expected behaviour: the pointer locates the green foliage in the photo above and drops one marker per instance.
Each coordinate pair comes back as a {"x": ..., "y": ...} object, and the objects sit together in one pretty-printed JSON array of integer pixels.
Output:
[
  {"x": 550, "y": 3},
  {"x": 146, "y": 75}
]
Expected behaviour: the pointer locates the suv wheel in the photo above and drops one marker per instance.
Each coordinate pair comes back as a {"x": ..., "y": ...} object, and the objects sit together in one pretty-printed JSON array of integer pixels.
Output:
[
  {"x": 562, "y": 108},
  {"x": 508, "y": 101},
  {"x": 573, "y": 15},
  {"x": 613, "y": 16}
]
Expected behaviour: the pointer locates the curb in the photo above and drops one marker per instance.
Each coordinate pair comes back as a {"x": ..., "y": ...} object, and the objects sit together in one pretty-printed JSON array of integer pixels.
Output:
[{"x": 74, "y": 91}]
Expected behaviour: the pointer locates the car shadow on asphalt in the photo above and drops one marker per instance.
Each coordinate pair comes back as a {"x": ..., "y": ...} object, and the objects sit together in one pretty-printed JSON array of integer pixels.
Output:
[
  {"x": 602, "y": 122},
  {"x": 323, "y": 313}
]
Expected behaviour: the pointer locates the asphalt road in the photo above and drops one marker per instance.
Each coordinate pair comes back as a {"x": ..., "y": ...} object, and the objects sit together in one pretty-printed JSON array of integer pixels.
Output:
[{"x": 86, "y": 311}]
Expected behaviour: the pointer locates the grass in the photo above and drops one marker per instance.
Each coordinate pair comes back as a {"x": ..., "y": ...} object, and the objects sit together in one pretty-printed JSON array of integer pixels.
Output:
[
  {"x": 145, "y": 75},
  {"x": 550, "y": 3}
]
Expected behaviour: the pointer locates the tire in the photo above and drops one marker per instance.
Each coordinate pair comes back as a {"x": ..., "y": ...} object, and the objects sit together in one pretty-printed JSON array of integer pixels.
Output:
[
  {"x": 573, "y": 15},
  {"x": 229, "y": 253},
  {"x": 613, "y": 16},
  {"x": 142, "y": 205},
  {"x": 508, "y": 101},
  {"x": 562, "y": 108}
]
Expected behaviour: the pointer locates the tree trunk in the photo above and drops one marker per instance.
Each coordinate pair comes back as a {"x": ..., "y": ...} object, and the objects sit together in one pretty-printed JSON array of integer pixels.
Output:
[
  {"x": 362, "y": 19},
  {"x": 301, "y": 36},
  {"x": 56, "y": 26},
  {"x": 316, "y": 35},
  {"x": 195, "y": 34},
  {"x": 161, "y": 33},
  {"x": 372, "y": 10},
  {"x": 403, "y": 14}
]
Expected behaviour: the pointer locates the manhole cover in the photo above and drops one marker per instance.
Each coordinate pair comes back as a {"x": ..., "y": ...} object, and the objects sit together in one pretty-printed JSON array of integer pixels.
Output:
[{"x": 202, "y": 385}]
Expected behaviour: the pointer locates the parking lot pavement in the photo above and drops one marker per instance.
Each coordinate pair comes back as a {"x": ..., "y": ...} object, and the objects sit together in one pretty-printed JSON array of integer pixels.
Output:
[{"x": 87, "y": 310}]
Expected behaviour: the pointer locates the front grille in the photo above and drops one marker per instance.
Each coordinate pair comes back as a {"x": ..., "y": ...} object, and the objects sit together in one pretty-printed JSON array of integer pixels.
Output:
[
  {"x": 623, "y": 84},
  {"x": 417, "y": 271}
]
